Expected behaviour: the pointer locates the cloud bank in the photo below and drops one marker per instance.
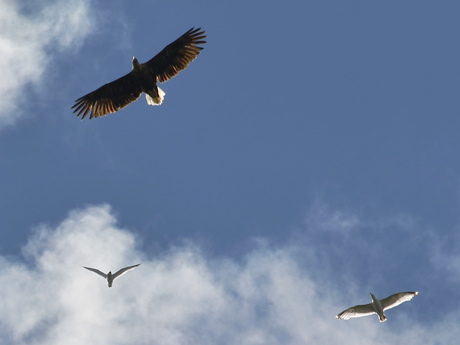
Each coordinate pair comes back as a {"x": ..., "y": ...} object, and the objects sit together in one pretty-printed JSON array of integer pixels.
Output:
[
  {"x": 28, "y": 36},
  {"x": 181, "y": 296}
]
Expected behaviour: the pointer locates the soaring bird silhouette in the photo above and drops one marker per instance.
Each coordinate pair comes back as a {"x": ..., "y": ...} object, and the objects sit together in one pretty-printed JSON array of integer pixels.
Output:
[
  {"x": 111, "y": 277},
  {"x": 113, "y": 96},
  {"x": 377, "y": 306}
]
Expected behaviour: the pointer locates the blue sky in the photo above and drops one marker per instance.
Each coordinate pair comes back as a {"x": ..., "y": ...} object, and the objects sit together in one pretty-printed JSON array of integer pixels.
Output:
[{"x": 307, "y": 157}]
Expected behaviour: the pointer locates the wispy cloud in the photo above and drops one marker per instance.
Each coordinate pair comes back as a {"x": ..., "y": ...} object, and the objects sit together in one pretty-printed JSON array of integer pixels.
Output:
[
  {"x": 181, "y": 296},
  {"x": 322, "y": 218},
  {"x": 29, "y": 36}
]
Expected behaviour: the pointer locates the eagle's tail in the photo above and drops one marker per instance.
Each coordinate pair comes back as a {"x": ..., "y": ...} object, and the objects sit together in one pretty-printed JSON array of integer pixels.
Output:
[{"x": 156, "y": 100}]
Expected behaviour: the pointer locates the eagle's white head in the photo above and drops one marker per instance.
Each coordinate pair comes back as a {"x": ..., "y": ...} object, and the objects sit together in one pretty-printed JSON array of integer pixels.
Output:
[{"x": 136, "y": 64}]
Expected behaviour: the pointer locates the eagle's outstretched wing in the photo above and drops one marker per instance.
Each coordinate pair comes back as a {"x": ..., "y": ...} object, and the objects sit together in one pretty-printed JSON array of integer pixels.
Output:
[
  {"x": 110, "y": 97},
  {"x": 177, "y": 55}
]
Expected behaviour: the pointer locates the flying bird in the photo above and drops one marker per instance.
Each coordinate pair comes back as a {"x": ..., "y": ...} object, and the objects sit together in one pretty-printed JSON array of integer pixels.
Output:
[
  {"x": 144, "y": 77},
  {"x": 111, "y": 277},
  {"x": 377, "y": 306}
]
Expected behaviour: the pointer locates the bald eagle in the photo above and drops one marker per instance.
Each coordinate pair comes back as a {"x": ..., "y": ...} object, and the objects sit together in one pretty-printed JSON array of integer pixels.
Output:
[{"x": 113, "y": 96}]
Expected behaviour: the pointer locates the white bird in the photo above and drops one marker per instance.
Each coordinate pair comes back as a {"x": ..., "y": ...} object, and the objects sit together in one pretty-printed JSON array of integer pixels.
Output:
[
  {"x": 377, "y": 306},
  {"x": 111, "y": 277}
]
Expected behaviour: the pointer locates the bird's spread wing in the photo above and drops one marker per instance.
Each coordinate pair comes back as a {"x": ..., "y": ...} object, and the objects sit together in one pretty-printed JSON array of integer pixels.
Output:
[
  {"x": 124, "y": 270},
  {"x": 109, "y": 98},
  {"x": 356, "y": 311},
  {"x": 396, "y": 299},
  {"x": 177, "y": 55},
  {"x": 96, "y": 271}
]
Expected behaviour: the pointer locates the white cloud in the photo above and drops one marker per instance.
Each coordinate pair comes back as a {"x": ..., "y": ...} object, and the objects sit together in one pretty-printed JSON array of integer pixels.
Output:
[
  {"x": 321, "y": 218},
  {"x": 26, "y": 36},
  {"x": 444, "y": 254},
  {"x": 181, "y": 297}
]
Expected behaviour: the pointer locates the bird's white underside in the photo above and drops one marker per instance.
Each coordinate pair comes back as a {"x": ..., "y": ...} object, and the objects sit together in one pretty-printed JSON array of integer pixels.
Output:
[{"x": 158, "y": 100}]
